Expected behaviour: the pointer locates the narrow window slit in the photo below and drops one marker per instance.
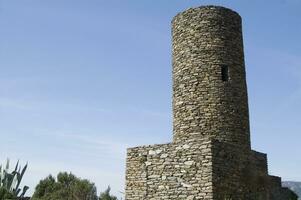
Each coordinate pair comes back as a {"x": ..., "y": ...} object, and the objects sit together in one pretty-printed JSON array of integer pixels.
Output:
[{"x": 225, "y": 72}]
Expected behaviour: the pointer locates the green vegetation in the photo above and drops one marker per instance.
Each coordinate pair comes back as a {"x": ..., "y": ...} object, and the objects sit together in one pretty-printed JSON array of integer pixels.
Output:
[
  {"x": 10, "y": 182},
  {"x": 106, "y": 195},
  {"x": 65, "y": 187},
  {"x": 294, "y": 186},
  {"x": 293, "y": 196}
]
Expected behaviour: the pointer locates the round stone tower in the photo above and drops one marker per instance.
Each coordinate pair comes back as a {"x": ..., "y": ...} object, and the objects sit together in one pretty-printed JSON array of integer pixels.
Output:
[{"x": 209, "y": 81}]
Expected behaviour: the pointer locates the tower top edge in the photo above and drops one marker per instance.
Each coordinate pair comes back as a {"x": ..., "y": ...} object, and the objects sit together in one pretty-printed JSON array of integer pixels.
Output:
[{"x": 207, "y": 8}]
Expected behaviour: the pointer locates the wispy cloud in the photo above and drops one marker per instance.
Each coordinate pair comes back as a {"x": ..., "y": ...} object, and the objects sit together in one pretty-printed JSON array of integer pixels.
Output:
[
  {"x": 86, "y": 139},
  {"x": 96, "y": 158},
  {"x": 11, "y": 103}
]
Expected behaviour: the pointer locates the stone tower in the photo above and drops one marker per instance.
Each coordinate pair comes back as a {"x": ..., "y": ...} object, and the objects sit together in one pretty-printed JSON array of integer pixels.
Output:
[
  {"x": 210, "y": 157},
  {"x": 209, "y": 81}
]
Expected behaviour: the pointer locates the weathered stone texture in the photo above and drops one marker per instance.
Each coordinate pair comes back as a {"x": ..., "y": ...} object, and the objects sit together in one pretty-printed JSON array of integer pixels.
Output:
[
  {"x": 237, "y": 174},
  {"x": 170, "y": 171},
  {"x": 204, "y": 40},
  {"x": 210, "y": 157}
]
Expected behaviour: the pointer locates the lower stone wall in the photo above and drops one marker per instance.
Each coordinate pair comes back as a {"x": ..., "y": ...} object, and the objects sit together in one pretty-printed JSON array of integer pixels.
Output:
[
  {"x": 242, "y": 175},
  {"x": 202, "y": 170},
  {"x": 259, "y": 162},
  {"x": 286, "y": 193},
  {"x": 238, "y": 174},
  {"x": 277, "y": 192},
  {"x": 170, "y": 171}
]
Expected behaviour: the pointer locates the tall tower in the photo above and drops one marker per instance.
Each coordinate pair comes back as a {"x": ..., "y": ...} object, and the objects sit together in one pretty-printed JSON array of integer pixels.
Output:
[
  {"x": 209, "y": 81},
  {"x": 210, "y": 157}
]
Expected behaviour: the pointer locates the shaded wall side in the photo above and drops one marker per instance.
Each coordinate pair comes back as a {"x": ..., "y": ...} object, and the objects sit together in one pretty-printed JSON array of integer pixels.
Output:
[
  {"x": 237, "y": 174},
  {"x": 277, "y": 192}
]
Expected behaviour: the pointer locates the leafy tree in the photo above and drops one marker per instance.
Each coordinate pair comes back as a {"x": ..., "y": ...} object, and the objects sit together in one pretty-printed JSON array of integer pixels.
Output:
[
  {"x": 10, "y": 182},
  {"x": 65, "y": 187},
  {"x": 5, "y": 194},
  {"x": 106, "y": 195},
  {"x": 293, "y": 195}
]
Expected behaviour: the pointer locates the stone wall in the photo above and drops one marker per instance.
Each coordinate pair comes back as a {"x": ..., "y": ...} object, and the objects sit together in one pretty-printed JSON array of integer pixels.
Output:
[
  {"x": 171, "y": 171},
  {"x": 238, "y": 174},
  {"x": 207, "y": 169},
  {"x": 206, "y": 39},
  {"x": 244, "y": 175}
]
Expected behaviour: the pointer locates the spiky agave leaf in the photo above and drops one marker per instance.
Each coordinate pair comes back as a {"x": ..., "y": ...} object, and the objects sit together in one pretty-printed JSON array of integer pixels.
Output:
[
  {"x": 18, "y": 190},
  {"x": 10, "y": 181},
  {"x": 1, "y": 175},
  {"x": 7, "y": 164},
  {"x": 5, "y": 175},
  {"x": 20, "y": 176},
  {"x": 14, "y": 183},
  {"x": 25, "y": 188},
  {"x": 16, "y": 167},
  {"x": 5, "y": 179}
]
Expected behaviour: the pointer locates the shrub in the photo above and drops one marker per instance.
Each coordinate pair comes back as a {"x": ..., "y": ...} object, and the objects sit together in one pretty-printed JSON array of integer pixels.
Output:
[
  {"x": 65, "y": 187},
  {"x": 106, "y": 195}
]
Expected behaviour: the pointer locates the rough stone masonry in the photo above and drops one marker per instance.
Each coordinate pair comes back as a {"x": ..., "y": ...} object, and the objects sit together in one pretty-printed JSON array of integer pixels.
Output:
[{"x": 210, "y": 156}]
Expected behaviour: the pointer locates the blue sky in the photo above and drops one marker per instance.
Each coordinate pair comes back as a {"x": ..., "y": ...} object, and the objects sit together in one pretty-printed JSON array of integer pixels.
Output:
[{"x": 80, "y": 81}]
